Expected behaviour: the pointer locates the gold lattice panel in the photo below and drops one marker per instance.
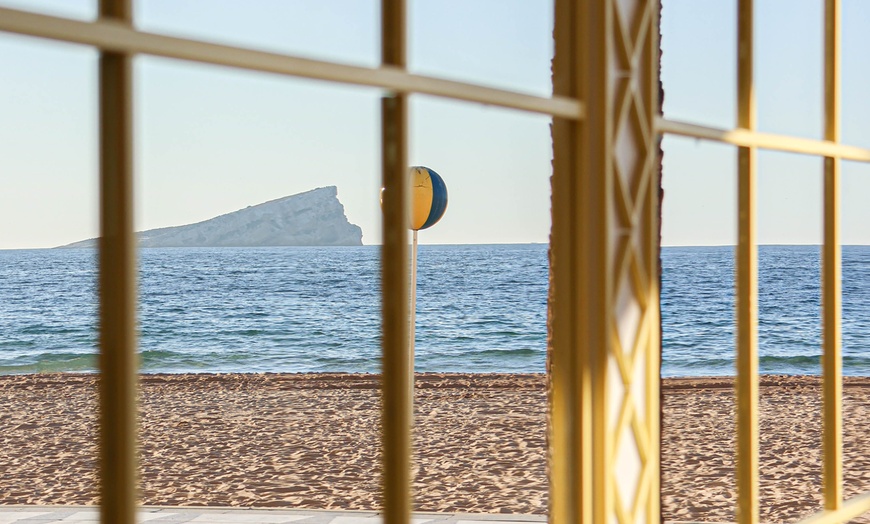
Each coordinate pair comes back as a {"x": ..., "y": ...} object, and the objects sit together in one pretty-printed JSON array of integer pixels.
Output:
[
  {"x": 604, "y": 312},
  {"x": 633, "y": 352}
]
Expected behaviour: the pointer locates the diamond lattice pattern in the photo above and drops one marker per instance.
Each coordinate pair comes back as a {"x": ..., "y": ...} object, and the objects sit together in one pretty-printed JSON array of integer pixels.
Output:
[{"x": 630, "y": 448}]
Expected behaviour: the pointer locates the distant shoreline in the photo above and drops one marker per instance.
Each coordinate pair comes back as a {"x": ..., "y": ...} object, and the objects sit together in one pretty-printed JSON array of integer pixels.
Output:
[{"x": 66, "y": 246}]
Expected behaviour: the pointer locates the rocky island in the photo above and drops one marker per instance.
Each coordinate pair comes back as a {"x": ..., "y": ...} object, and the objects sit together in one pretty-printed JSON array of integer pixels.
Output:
[{"x": 312, "y": 218}]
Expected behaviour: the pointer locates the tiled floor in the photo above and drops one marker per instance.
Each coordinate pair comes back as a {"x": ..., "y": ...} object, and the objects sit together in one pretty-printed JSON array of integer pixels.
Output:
[{"x": 87, "y": 515}]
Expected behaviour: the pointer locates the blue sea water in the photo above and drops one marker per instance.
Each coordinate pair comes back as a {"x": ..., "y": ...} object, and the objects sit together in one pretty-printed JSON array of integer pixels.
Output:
[
  {"x": 481, "y": 308},
  {"x": 698, "y": 326}
]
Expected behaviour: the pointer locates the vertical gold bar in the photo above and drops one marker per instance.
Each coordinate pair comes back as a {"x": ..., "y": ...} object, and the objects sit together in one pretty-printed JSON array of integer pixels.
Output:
[
  {"x": 597, "y": 270},
  {"x": 570, "y": 380},
  {"x": 581, "y": 490},
  {"x": 832, "y": 371},
  {"x": 117, "y": 283},
  {"x": 393, "y": 40},
  {"x": 397, "y": 400},
  {"x": 394, "y": 278},
  {"x": 747, "y": 282},
  {"x": 653, "y": 389}
]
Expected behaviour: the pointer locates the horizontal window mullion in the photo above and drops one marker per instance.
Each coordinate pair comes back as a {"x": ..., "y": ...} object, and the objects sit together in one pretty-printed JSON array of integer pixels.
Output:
[
  {"x": 850, "y": 509},
  {"x": 747, "y": 138},
  {"x": 107, "y": 35}
]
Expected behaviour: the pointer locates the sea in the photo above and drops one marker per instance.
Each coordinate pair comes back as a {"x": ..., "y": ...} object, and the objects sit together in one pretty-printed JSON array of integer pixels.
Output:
[{"x": 480, "y": 309}]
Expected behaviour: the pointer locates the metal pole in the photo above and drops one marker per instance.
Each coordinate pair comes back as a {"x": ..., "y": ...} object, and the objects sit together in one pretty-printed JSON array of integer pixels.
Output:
[
  {"x": 394, "y": 281},
  {"x": 747, "y": 281},
  {"x": 570, "y": 381},
  {"x": 413, "y": 315},
  {"x": 396, "y": 474},
  {"x": 117, "y": 282},
  {"x": 832, "y": 358}
]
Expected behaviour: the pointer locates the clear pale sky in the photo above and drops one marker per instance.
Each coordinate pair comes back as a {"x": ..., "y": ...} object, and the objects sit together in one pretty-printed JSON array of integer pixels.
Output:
[{"x": 211, "y": 140}]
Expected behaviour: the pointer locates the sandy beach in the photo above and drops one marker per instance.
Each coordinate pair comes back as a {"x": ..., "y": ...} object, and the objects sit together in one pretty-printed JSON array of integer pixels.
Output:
[
  {"x": 698, "y": 447},
  {"x": 311, "y": 441}
]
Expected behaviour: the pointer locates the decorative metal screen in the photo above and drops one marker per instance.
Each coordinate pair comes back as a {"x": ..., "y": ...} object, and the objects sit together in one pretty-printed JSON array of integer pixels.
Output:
[{"x": 604, "y": 303}]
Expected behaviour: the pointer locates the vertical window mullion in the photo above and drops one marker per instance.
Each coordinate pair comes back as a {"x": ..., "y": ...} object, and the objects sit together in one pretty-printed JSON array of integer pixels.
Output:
[
  {"x": 571, "y": 483},
  {"x": 832, "y": 370},
  {"x": 117, "y": 281},
  {"x": 397, "y": 401},
  {"x": 747, "y": 281}
]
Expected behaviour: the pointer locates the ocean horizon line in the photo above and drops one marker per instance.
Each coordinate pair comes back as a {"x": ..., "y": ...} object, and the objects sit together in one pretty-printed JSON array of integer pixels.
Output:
[{"x": 443, "y": 244}]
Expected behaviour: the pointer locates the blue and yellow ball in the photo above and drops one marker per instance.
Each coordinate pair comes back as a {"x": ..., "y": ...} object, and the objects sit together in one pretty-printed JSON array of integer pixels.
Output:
[{"x": 428, "y": 197}]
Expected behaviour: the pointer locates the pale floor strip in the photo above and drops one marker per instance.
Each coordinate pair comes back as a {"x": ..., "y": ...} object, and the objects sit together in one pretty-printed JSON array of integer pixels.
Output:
[{"x": 202, "y": 515}]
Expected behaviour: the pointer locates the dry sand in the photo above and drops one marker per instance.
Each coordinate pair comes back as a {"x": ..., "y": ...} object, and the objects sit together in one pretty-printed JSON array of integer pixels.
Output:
[
  {"x": 311, "y": 441},
  {"x": 698, "y": 444}
]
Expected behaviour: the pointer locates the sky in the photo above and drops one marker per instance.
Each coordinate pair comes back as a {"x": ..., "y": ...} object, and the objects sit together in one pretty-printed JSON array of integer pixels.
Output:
[{"x": 211, "y": 140}]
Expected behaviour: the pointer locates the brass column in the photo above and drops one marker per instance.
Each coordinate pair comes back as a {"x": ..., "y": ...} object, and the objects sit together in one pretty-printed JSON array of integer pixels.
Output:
[
  {"x": 747, "y": 281},
  {"x": 117, "y": 282},
  {"x": 394, "y": 279},
  {"x": 832, "y": 360}
]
